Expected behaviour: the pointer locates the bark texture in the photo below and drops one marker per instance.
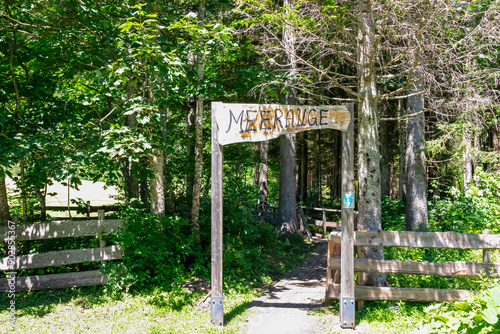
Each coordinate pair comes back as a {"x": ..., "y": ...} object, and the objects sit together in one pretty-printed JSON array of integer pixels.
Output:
[
  {"x": 287, "y": 187},
  {"x": 369, "y": 208},
  {"x": 157, "y": 183},
  {"x": 287, "y": 203},
  {"x": 41, "y": 196},
  {"x": 4, "y": 203},
  {"x": 416, "y": 181},
  {"x": 402, "y": 150},
  {"x": 384, "y": 159},
  {"x": 264, "y": 170},
  {"x": 304, "y": 169}
]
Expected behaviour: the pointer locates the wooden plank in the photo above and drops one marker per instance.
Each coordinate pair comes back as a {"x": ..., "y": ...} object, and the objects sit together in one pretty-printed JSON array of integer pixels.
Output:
[
  {"x": 408, "y": 294},
  {"x": 64, "y": 257},
  {"x": 460, "y": 268},
  {"x": 258, "y": 122},
  {"x": 106, "y": 208},
  {"x": 347, "y": 218},
  {"x": 423, "y": 239},
  {"x": 216, "y": 210},
  {"x": 331, "y": 251},
  {"x": 320, "y": 223},
  {"x": 324, "y": 223},
  {"x": 486, "y": 252},
  {"x": 63, "y": 229},
  {"x": 321, "y": 209},
  {"x": 56, "y": 281},
  {"x": 360, "y": 277},
  {"x": 304, "y": 222}
]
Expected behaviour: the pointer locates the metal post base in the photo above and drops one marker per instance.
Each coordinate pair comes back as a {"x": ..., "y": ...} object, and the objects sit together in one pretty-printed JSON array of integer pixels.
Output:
[
  {"x": 347, "y": 310},
  {"x": 217, "y": 310}
]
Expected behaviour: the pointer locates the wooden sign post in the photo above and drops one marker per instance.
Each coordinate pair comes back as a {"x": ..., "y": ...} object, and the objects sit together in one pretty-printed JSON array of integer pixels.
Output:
[
  {"x": 236, "y": 123},
  {"x": 347, "y": 286}
]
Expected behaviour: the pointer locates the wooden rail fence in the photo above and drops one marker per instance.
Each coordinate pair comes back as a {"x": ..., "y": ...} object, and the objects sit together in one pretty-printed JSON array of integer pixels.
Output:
[
  {"x": 268, "y": 212},
  {"x": 484, "y": 241},
  {"x": 61, "y": 229},
  {"x": 88, "y": 208}
]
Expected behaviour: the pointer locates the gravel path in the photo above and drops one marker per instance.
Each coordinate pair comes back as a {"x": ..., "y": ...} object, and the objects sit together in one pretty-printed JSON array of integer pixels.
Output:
[
  {"x": 286, "y": 307},
  {"x": 289, "y": 306}
]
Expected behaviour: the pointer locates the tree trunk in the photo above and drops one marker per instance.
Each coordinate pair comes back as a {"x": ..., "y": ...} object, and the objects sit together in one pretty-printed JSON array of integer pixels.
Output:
[
  {"x": 143, "y": 184},
  {"x": 190, "y": 144},
  {"x": 131, "y": 182},
  {"x": 264, "y": 172},
  {"x": 4, "y": 203},
  {"x": 287, "y": 204},
  {"x": 198, "y": 146},
  {"x": 384, "y": 159},
  {"x": 369, "y": 207},
  {"x": 256, "y": 166},
  {"x": 24, "y": 198},
  {"x": 402, "y": 150},
  {"x": 496, "y": 142},
  {"x": 304, "y": 169},
  {"x": 416, "y": 181},
  {"x": 317, "y": 169},
  {"x": 127, "y": 166},
  {"x": 41, "y": 196},
  {"x": 157, "y": 183},
  {"x": 393, "y": 181},
  {"x": 467, "y": 156}
]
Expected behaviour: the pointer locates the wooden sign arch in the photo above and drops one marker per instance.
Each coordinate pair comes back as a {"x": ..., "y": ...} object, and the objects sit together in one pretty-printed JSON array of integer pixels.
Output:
[{"x": 236, "y": 123}]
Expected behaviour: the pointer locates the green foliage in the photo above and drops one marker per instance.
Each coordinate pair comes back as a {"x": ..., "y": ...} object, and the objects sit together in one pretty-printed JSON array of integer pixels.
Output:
[
  {"x": 478, "y": 314},
  {"x": 156, "y": 250},
  {"x": 393, "y": 215},
  {"x": 471, "y": 211}
]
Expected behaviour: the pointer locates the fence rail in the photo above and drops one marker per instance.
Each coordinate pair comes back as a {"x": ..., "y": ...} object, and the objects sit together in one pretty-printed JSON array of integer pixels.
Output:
[
  {"x": 450, "y": 240},
  {"x": 268, "y": 212},
  {"x": 61, "y": 229}
]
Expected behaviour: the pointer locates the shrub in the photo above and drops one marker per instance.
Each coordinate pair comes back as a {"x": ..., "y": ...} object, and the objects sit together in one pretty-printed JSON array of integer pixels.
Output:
[{"x": 478, "y": 314}]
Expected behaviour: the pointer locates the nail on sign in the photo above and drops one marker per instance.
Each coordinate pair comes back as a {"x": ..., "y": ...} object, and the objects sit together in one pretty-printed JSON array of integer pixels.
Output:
[{"x": 258, "y": 122}]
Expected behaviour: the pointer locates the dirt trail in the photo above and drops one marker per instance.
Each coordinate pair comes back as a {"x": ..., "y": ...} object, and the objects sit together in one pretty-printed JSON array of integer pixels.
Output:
[{"x": 289, "y": 306}]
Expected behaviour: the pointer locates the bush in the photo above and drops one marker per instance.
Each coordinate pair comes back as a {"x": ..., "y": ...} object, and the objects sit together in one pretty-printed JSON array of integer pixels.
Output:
[
  {"x": 471, "y": 211},
  {"x": 478, "y": 314},
  {"x": 156, "y": 250}
]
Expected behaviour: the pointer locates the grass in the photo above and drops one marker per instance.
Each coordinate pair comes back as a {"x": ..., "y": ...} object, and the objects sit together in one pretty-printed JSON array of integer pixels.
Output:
[
  {"x": 378, "y": 317},
  {"x": 152, "y": 310},
  {"x": 92, "y": 310}
]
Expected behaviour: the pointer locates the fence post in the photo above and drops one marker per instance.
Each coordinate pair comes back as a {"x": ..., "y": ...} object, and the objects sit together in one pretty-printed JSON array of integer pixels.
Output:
[
  {"x": 487, "y": 252},
  {"x": 360, "y": 279},
  {"x": 347, "y": 300},
  {"x": 331, "y": 250},
  {"x": 324, "y": 222},
  {"x": 88, "y": 209},
  {"x": 102, "y": 243}
]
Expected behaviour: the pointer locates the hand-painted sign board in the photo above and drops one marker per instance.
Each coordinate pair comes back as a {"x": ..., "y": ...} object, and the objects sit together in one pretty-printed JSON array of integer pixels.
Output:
[{"x": 258, "y": 122}]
